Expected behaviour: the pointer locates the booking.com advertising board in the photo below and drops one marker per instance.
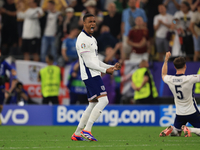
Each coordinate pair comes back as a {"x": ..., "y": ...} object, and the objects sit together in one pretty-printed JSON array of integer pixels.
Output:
[{"x": 121, "y": 115}]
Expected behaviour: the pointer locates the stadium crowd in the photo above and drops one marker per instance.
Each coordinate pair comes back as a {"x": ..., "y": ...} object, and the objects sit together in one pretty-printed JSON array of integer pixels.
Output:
[{"x": 133, "y": 30}]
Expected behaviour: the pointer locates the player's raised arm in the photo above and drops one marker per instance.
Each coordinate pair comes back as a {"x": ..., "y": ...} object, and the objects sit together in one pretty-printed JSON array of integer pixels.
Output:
[{"x": 165, "y": 67}]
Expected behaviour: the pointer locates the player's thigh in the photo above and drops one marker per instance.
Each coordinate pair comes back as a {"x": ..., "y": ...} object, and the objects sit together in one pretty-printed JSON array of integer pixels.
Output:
[
  {"x": 95, "y": 87},
  {"x": 194, "y": 120},
  {"x": 179, "y": 121}
]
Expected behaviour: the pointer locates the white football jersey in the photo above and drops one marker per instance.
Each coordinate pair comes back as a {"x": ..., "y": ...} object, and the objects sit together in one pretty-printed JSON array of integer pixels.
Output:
[
  {"x": 181, "y": 87},
  {"x": 87, "y": 43}
]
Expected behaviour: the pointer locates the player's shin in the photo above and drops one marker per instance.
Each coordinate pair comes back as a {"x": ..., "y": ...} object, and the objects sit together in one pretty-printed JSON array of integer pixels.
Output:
[
  {"x": 84, "y": 118},
  {"x": 195, "y": 130},
  {"x": 96, "y": 112}
]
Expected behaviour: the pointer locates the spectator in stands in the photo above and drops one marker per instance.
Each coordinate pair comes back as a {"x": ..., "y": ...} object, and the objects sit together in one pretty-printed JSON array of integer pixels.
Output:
[
  {"x": 151, "y": 9},
  {"x": 105, "y": 39},
  {"x": 112, "y": 83},
  {"x": 121, "y": 5},
  {"x": 69, "y": 46},
  {"x": 175, "y": 38},
  {"x": 128, "y": 21},
  {"x": 172, "y": 6},
  {"x": 145, "y": 91},
  {"x": 60, "y": 5},
  {"x": 50, "y": 30},
  {"x": 77, "y": 89},
  {"x": 113, "y": 20},
  {"x": 195, "y": 28},
  {"x": 19, "y": 96},
  {"x": 9, "y": 28},
  {"x": 79, "y": 5},
  {"x": 162, "y": 23},
  {"x": 90, "y": 6},
  {"x": 183, "y": 19},
  {"x": 31, "y": 30},
  {"x": 50, "y": 78},
  {"x": 193, "y": 4},
  {"x": 70, "y": 20},
  {"x": 4, "y": 67},
  {"x": 138, "y": 39},
  {"x": 21, "y": 5},
  {"x": 71, "y": 3}
]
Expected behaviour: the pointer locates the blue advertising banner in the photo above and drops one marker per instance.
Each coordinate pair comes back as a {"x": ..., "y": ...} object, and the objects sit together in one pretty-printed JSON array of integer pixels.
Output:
[
  {"x": 27, "y": 115},
  {"x": 116, "y": 115},
  {"x": 121, "y": 115}
]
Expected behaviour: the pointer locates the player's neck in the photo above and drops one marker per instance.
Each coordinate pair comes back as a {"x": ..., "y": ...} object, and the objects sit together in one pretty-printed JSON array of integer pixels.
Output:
[
  {"x": 86, "y": 32},
  {"x": 180, "y": 72}
]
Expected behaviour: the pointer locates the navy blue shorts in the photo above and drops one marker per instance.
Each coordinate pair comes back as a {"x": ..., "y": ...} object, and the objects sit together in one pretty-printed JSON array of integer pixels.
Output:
[
  {"x": 193, "y": 119},
  {"x": 2, "y": 97},
  {"x": 95, "y": 87}
]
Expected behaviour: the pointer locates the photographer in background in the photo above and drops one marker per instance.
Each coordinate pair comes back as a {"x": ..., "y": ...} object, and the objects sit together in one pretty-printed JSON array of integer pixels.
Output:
[
  {"x": 195, "y": 29},
  {"x": 19, "y": 96},
  {"x": 3, "y": 78}
]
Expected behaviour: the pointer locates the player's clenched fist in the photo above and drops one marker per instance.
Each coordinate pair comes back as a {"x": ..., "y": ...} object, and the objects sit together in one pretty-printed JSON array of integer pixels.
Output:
[
  {"x": 110, "y": 70},
  {"x": 168, "y": 54},
  {"x": 117, "y": 66}
]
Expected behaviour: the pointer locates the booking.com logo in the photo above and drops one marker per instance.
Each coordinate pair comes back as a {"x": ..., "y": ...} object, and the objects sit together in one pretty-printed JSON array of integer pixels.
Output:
[{"x": 111, "y": 117}]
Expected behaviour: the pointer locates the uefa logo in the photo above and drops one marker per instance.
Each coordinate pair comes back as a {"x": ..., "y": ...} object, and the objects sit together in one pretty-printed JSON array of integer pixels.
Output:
[{"x": 83, "y": 46}]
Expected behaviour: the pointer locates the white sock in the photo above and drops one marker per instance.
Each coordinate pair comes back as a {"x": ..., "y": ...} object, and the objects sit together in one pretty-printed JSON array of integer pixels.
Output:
[
  {"x": 102, "y": 102},
  {"x": 84, "y": 118},
  {"x": 174, "y": 132},
  {"x": 195, "y": 130}
]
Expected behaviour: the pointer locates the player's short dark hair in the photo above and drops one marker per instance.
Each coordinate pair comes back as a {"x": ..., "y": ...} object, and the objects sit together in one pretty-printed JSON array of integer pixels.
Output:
[
  {"x": 87, "y": 15},
  {"x": 179, "y": 62},
  {"x": 50, "y": 57},
  {"x": 52, "y": 2}
]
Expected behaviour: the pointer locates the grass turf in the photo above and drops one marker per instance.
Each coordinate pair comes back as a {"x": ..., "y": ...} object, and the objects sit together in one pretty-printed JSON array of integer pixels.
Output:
[{"x": 111, "y": 138}]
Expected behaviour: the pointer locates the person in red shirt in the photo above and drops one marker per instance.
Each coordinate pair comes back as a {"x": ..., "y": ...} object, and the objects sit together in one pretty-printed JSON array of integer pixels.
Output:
[{"x": 138, "y": 39}]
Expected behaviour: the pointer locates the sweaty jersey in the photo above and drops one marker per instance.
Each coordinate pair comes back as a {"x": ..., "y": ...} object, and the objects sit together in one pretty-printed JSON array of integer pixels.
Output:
[
  {"x": 86, "y": 43},
  {"x": 181, "y": 87}
]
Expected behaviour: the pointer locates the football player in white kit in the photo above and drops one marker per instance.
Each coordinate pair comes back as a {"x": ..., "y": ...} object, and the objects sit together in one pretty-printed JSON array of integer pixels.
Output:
[
  {"x": 91, "y": 68},
  {"x": 186, "y": 108}
]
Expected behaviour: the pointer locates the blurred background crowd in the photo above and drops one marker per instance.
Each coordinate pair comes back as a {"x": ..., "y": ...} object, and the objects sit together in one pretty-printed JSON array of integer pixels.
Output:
[{"x": 133, "y": 30}]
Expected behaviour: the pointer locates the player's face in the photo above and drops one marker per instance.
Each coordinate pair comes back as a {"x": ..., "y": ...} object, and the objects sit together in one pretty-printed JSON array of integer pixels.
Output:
[{"x": 89, "y": 25}]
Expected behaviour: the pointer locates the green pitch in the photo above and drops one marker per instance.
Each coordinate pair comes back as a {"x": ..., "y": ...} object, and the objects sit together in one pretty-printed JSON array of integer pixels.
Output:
[{"x": 109, "y": 138}]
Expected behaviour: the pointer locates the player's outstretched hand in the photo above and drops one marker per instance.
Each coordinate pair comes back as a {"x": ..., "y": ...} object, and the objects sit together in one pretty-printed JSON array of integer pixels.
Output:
[
  {"x": 168, "y": 54},
  {"x": 110, "y": 70},
  {"x": 117, "y": 66}
]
